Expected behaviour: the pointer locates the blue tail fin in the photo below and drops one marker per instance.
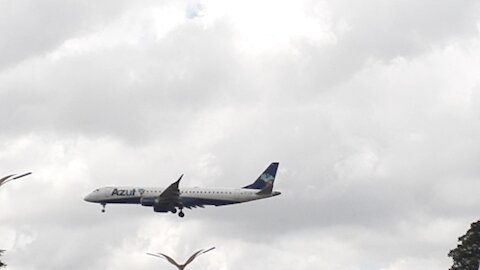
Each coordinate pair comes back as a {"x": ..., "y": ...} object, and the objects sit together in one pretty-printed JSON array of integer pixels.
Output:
[{"x": 266, "y": 178}]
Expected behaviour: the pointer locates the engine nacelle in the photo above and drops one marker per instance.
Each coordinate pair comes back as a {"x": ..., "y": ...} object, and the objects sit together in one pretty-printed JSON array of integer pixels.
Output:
[
  {"x": 158, "y": 205},
  {"x": 161, "y": 209},
  {"x": 147, "y": 201}
]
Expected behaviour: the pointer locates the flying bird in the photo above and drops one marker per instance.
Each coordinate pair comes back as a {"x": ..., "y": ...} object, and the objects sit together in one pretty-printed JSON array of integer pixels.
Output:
[
  {"x": 181, "y": 266},
  {"x": 11, "y": 177}
]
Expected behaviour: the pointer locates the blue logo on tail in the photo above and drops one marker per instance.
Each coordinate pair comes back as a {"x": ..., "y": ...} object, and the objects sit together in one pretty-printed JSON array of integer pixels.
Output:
[{"x": 266, "y": 178}]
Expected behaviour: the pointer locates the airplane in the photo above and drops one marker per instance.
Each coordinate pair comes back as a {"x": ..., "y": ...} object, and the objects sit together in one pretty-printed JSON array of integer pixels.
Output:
[{"x": 172, "y": 198}]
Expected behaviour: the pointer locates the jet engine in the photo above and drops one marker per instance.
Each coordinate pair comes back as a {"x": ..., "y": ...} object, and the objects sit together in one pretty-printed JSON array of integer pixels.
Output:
[{"x": 147, "y": 201}]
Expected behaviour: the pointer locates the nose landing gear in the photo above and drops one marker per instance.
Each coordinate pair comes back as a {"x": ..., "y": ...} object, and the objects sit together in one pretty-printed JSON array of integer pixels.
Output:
[{"x": 103, "y": 207}]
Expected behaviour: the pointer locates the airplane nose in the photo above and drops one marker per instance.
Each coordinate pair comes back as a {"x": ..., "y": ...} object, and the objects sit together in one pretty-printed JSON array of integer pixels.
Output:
[{"x": 88, "y": 198}]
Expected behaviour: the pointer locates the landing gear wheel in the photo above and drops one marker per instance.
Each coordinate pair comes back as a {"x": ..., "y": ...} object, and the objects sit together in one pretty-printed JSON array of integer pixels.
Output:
[
  {"x": 103, "y": 208},
  {"x": 181, "y": 214},
  {"x": 174, "y": 210}
]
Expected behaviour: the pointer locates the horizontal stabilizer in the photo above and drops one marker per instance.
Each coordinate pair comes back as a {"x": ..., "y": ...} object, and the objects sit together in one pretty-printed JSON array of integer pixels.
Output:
[{"x": 266, "y": 190}]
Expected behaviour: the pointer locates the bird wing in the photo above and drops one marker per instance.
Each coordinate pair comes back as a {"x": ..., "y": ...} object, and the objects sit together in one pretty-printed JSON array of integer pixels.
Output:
[
  {"x": 192, "y": 257},
  {"x": 4, "y": 179},
  {"x": 20, "y": 176},
  {"x": 166, "y": 257},
  {"x": 208, "y": 250},
  {"x": 196, "y": 254},
  {"x": 8, "y": 178}
]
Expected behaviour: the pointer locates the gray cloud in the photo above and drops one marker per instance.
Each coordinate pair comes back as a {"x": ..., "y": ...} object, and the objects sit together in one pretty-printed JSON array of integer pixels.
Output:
[
  {"x": 385, "y": 30},
  {"x": 32, "y": 28}
]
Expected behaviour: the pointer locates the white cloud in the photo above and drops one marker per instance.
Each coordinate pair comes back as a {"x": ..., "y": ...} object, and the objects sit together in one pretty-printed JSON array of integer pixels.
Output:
[
  {"x": 272, "y": 26},
  {"x": 370, "y": 108}
]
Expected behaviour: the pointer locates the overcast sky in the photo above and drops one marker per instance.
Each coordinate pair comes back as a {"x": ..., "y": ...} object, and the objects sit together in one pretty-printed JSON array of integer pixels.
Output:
[{"x": 371, "y": 107}]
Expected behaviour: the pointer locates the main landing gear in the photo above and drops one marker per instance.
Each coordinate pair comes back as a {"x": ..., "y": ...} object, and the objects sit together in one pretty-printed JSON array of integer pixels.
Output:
[
  {"x": 180, "y": 212},
  {"x": 103, "y": 207}
]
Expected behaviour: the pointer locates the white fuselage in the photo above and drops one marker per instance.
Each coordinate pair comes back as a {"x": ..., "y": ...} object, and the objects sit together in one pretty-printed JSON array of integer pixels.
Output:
[{"x": 208, "y": 196}]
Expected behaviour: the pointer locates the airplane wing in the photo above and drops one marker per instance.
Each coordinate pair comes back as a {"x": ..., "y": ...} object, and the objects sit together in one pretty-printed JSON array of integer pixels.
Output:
[
  {"x": 170, "y": 196},
  {"x": 194, "y": 202}
]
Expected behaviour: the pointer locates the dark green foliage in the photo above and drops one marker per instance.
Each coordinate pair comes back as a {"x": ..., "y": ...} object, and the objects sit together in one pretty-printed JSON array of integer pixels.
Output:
[
  {"x": 1, "y": 263},
  {"x": 466, "y": 255}
]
